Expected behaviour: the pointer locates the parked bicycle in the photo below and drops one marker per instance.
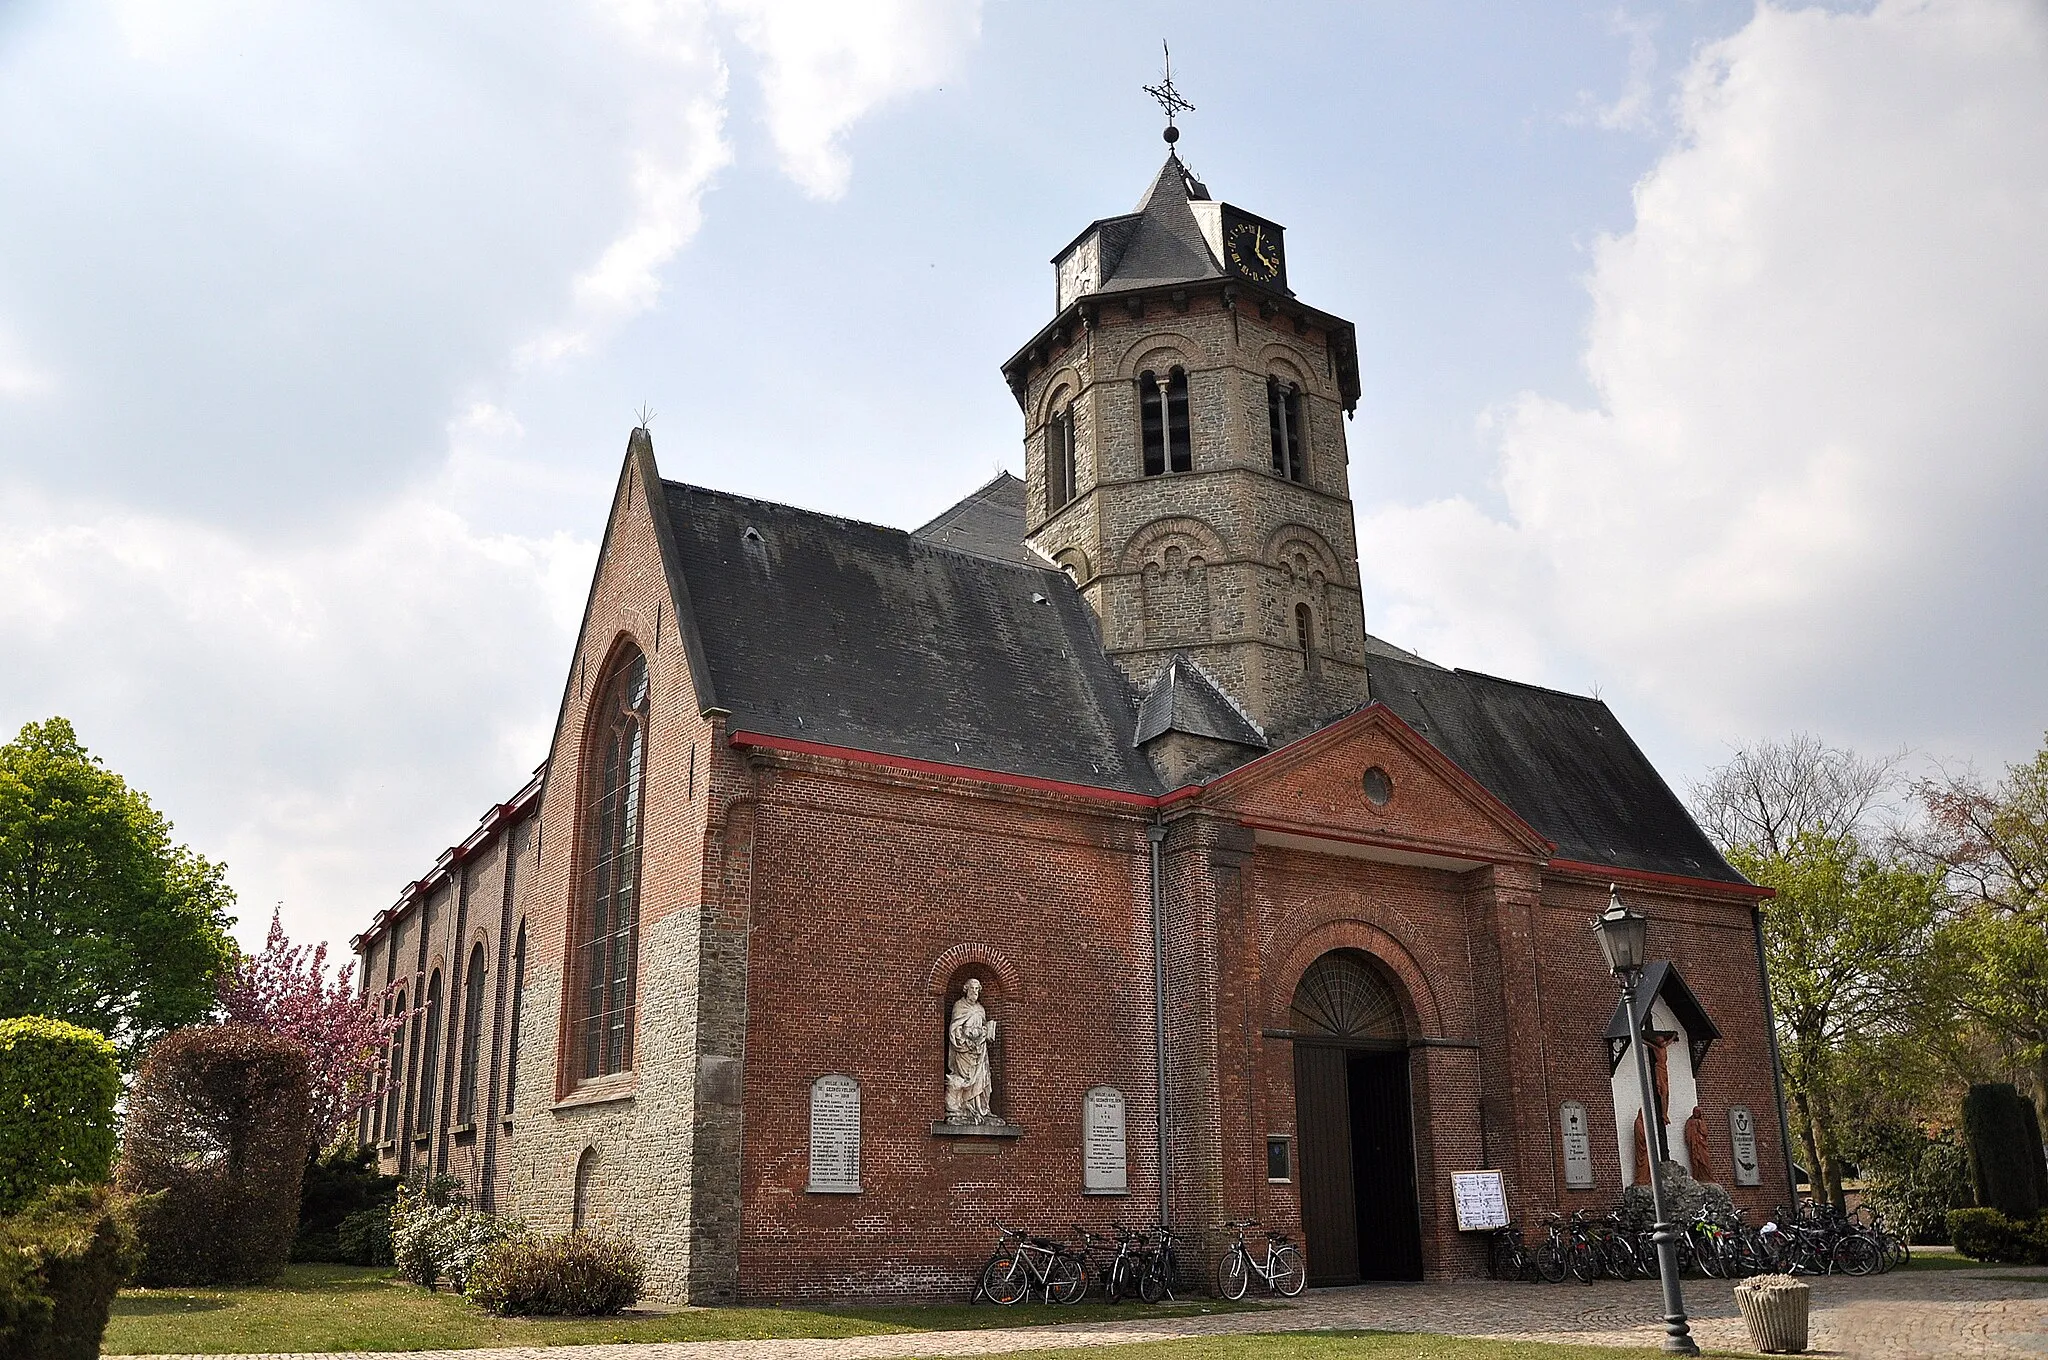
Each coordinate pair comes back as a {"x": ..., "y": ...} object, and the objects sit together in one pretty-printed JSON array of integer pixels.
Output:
[
  {"x": 1022, "y": 1263},
  {"x": 1282, "y": 1269},
  {"x": 1162, "y": 1265}
]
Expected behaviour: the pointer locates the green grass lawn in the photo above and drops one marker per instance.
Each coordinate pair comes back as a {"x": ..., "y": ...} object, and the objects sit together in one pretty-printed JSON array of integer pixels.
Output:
[{"x": 349, "y": 1308}]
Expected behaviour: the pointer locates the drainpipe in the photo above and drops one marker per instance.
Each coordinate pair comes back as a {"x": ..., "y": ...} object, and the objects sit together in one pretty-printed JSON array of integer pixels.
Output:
[
  {"x": 1156, "y": 834},
  {"x": 1763, "y": 974}
]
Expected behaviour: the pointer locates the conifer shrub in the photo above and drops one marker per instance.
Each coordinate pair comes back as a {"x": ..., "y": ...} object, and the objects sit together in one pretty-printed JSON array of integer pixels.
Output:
[
  {"x": 578, "y": 1274},
  {"x": 58, "y": 1084},
  {"x": 1988, "y": 1235},
  {"x": 364, "y": 1239},
  {"x": 216, "y": 1135},
  {"x": 62, "y": 1259},
  {"x": 342, "y": 1184},
  {"x": 2004, "y": 1139}
]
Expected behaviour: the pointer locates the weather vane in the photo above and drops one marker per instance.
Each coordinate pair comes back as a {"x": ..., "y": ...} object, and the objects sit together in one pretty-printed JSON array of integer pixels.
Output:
[{"x": 1169, "y": 98}]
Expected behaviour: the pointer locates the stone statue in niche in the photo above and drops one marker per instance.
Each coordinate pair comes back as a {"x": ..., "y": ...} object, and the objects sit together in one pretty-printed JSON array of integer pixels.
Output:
[
  {"x": 969, "y": 1083},
  {"x": 1696, "y": 1147}
]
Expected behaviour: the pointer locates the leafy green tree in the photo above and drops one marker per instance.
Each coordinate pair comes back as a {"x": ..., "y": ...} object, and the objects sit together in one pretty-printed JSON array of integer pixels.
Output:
[
  {"x": 1850, "y": 944},
  {"x": 1990, "y": 842},
  {"x": 104, "y": 920}
]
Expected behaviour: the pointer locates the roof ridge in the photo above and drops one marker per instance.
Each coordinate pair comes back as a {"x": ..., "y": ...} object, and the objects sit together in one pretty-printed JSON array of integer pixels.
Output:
[
  {"x": 1525, "y": 684},
  {"x": 978, "y": 496},
  {"x": 907, "y": 534}
]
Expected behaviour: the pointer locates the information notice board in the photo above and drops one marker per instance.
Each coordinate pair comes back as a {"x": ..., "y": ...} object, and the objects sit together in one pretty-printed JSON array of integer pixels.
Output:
[{"x": 1481, "y": 1199}]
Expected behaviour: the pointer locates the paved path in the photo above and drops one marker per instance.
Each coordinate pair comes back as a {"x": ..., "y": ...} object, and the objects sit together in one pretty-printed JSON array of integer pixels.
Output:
[{"x": 1917, "y": 1315}]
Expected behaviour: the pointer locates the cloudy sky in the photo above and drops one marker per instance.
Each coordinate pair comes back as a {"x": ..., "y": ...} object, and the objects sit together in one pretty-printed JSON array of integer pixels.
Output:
[{"x": 1703, "y": 346}]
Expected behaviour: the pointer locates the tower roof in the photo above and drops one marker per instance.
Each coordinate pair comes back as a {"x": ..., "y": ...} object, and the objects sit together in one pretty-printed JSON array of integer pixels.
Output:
[{"x": 1165, "y": 243}]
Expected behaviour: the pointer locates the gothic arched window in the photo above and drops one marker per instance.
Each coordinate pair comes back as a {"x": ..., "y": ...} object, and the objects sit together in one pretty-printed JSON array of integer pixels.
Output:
[
  {"x": 1283, "y": 417},
  {"x": 512, "y": 1043},
  {"x": 1163, "y": 408},
  {"x": 609, "y": 918},
  {"x": 429, "y": 1054},
  {"x": 1059, "y": 459},
  {"x": 472, "y": 1035},
  {"x": 394, "y": 1088}
]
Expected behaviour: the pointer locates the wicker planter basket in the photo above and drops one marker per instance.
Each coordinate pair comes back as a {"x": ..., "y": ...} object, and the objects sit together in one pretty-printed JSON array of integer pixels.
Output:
[{"x": 1774, "y": 1308}]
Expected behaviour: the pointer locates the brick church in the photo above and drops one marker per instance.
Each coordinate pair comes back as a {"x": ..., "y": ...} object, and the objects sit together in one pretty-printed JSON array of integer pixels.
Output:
[{"x": 1076, "y": 857}]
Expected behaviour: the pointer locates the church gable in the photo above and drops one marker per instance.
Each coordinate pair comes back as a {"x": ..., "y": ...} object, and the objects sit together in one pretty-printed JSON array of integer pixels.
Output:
[{"x": 1369, "y": 779}]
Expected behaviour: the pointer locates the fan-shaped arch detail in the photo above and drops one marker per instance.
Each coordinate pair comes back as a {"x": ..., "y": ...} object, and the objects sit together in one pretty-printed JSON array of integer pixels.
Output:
[{"x": 1342, "y": 996}]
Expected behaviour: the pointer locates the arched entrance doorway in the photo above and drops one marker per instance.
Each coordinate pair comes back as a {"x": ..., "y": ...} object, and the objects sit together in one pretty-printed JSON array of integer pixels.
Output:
[{"x": 1352, "y": 1117}]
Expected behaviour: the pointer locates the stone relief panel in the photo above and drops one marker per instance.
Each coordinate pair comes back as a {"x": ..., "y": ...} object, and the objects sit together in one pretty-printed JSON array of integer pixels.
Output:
[
  {"x": 835, "y": 1136},
  {"x": 1104, "y": 1160}
]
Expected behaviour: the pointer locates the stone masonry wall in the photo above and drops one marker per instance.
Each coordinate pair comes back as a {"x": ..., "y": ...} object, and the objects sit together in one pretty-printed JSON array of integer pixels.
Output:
[{"x": 1212, "y": 561}]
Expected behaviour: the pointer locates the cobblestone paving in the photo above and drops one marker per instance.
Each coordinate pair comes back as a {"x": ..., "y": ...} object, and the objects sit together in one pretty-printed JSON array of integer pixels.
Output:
[{"x": 1930, "y": 1315}]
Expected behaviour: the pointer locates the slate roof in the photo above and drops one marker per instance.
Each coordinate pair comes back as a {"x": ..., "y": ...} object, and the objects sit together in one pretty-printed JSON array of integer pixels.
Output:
[
  {"x": 1185, "y": 699},
  {"x": 829, "y": 630},
  {"x": 988, "y": 523},
  {"x": 1165, "y": 244},
  {"x": 1561, "y": 761}
]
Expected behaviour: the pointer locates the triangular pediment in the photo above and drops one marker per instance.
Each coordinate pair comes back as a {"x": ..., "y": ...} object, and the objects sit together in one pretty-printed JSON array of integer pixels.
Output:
[{"x": 1369, "y": 780}]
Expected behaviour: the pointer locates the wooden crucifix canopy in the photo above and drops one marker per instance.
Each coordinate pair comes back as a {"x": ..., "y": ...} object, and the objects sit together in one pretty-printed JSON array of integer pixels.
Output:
[{"x": 1662, "y": 979}]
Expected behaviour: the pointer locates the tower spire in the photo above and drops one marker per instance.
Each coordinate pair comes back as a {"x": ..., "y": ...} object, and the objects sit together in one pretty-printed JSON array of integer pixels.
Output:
[{"x": 1170, "y": 101}]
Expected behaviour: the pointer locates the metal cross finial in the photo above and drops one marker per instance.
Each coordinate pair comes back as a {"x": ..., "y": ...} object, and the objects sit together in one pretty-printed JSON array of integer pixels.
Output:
[{"x": 1169, "y": 98}]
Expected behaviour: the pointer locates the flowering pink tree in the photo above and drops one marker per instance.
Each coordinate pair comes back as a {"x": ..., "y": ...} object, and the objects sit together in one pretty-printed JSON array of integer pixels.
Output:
[{"x": 283, "y": 988}]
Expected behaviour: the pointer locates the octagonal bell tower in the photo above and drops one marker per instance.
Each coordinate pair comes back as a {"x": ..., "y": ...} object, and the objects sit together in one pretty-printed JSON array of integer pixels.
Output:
[{"x": 1185, "y": 464}]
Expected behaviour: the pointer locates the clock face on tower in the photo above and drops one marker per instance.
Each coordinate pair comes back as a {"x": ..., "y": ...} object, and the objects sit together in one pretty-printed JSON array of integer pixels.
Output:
[{"x": 1252, "y": 250}]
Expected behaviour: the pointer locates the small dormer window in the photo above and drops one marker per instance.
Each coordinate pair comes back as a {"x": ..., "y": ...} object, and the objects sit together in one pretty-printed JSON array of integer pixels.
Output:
[
  {"x": 1059, "y": 460},
  {"x": 1164, "y": 408},
  {"x": 1283, "y": 417}
]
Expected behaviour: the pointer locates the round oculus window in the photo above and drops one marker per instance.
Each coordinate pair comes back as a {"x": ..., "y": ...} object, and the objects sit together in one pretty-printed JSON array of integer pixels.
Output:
[{"x": 1379, "y": 786}]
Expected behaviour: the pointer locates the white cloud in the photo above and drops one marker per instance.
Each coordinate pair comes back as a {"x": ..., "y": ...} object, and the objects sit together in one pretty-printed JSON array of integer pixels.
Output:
[
  {"x": 827, "y": 63},
  {"x": 1813, "y": 482},
  {"x": 325, "y": 716},
  {"x": 676, "y": 108},
  {"x": 1633, "y": 110}
]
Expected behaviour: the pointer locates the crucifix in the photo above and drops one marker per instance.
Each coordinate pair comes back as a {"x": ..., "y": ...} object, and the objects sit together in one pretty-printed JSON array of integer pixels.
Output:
[{"x": 1170, "y": 101}]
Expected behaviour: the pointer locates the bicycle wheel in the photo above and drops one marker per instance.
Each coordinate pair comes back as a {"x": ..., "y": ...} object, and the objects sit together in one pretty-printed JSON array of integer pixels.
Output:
[
  {"x": 1006, "y": 1279},
  {"x": 1152, "y": 1284},
  {"x": 1550, "y": 1262},
  {"x": 1290, "y": 1271},
  {"x": 1504, "y": 1261},
  {"x": 1234, "y": 1276},
  {"x": 1855, "y": 1254},
  {"x": 1582, "y": 1262},
  {"x": 1066, "y": 1280},
  {"x": 1713, "y": 1260},
  {"x": 1619, "y": 1256},
  {"x": 1898, "y": 1253}
]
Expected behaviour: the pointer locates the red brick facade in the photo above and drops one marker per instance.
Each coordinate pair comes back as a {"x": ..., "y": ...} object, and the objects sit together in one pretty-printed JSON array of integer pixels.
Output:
[{"x": 810, "y": 909}]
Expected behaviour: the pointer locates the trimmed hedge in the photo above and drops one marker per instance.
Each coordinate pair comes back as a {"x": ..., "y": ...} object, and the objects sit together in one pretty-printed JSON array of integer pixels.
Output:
[
  {"x": 1988, "y": 1235},
  {"x": 2005, "y": 1150},
  {"x": 61, "y": 1261},
  {"x": 218, "y": 1123},
  {"x": 579, "y": 1274},
  {"x": 58, "y": 1084}
]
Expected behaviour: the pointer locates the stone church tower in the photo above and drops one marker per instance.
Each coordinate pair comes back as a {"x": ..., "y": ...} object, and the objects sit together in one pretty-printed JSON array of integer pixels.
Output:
[{"x": 1186, "y": 465}]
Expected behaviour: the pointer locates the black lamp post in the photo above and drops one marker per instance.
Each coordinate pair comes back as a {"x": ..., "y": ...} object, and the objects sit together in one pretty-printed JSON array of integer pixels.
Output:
[{"x": 1622, "y": 934}]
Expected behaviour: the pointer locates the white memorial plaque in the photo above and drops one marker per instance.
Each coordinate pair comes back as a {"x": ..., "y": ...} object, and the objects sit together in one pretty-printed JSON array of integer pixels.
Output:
[
  {"x": 1481, "y": 1198},
  {"x": 1578, "y": 1145},
  {"x": 1742, "y": 1133},
  {"x": 835, "y": 1136},
  {"x": 1102, "y": 1143}
]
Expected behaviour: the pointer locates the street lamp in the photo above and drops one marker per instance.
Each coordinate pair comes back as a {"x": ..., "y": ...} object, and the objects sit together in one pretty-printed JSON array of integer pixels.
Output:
[{"x": 1622, "y": 935}]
